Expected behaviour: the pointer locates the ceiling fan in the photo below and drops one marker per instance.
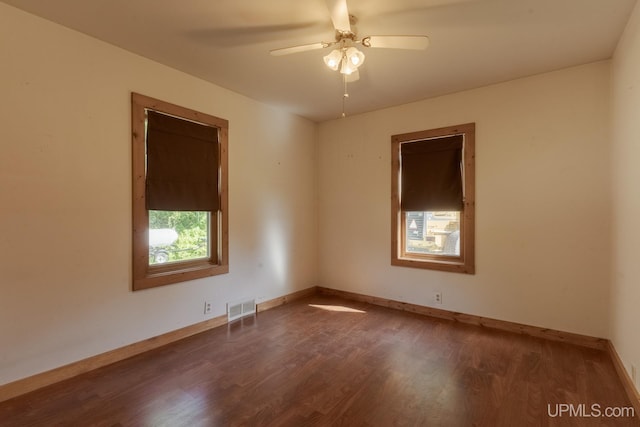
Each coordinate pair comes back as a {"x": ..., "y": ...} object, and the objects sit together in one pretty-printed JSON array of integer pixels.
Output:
[{"x": 346, "y": 57}]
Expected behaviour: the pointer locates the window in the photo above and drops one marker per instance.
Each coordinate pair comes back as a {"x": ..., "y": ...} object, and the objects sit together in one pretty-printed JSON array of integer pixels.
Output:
[
  {"x": 433, "y": 199},
  {"x": 180, "y": 214}
]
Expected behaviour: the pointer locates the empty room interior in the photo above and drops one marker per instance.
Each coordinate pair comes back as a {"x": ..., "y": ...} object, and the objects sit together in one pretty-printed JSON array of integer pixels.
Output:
[{"x": 314, "y": 290}]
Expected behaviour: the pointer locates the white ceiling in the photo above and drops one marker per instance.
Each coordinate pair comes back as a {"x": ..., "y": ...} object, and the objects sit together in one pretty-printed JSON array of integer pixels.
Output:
[{"x": 473, "y": 43}]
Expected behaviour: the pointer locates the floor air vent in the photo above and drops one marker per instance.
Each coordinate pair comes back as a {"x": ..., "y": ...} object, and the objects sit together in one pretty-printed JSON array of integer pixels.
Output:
[{"x": 240, "y": 309}]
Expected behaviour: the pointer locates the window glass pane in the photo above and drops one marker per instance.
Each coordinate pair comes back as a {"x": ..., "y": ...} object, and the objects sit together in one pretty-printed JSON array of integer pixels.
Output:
[
  {"x": 434, "y": 233},
  {"x": 178, "y": 236}
]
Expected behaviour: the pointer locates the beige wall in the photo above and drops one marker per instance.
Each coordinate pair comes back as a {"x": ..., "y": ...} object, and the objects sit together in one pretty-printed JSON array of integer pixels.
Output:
[
  {"x": 625, "y": 312},
  {"x": 543, "y": 217},
  {"x": 65, "y": 189}
]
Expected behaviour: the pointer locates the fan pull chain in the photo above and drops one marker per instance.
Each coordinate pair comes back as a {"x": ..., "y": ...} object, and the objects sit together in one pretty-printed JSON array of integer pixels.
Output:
[{"x": 345, "y": 95}]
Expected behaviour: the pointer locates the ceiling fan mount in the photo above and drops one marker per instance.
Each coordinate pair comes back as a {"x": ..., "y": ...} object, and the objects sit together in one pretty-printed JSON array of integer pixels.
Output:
[
  {"x": 351, "y": 33},
  {"x": 345, "y": 35}
]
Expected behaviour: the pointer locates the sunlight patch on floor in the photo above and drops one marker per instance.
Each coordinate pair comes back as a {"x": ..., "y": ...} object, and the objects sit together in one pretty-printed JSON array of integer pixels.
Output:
[{"x": 336, "y": 308}]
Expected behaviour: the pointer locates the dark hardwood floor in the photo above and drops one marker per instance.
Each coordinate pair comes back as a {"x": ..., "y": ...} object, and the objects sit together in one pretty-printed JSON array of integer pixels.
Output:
[{"x": 324, "y": 361}]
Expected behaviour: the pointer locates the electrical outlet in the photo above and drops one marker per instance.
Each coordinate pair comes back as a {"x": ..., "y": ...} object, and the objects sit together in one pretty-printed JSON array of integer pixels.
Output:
[
  {"x": 207, "y": 307},
  {"x": 437, "y": 297}
]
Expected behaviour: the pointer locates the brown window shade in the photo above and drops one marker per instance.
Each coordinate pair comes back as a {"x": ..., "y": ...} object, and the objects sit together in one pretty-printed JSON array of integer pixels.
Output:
[
  {"x": 182, "y": 164},
  {"x": 431, "y": 174}
]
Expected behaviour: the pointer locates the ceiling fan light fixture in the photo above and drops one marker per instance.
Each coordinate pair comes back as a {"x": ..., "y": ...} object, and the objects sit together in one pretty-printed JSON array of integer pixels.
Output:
[
  {"x": 354, "y": 56},
  {"x": 354, "y": 76},
  {"x": 347, "y": 68},
  {"x": 333, "y": 59}
]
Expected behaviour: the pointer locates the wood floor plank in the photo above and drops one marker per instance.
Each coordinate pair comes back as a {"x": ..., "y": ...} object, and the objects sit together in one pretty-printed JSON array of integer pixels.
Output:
[{"x": 326, "y": 361}]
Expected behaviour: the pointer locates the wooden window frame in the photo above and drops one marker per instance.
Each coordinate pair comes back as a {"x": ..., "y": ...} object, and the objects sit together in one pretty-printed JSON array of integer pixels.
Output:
[
  {"x": 465, "y": 263},
  {"x": 148, "y": 276}
]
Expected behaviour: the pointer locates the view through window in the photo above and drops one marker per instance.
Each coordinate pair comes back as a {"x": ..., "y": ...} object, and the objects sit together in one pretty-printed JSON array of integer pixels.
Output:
[
  {"x": 178, "y": 236},
  {"x": 435, "y": 233}
]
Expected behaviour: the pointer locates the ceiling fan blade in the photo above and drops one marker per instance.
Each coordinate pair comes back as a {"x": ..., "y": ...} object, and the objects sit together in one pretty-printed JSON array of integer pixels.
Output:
[
  {"x": 397, "y": 42},
  {"x": 232, "y": 36},
  {"x": 297, "y": 49},
  {"x": 339, "y": 15}
]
